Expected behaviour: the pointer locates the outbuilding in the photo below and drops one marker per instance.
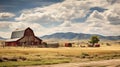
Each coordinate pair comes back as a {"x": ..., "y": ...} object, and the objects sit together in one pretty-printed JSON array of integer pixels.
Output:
[{"x": 24, "y": 37}]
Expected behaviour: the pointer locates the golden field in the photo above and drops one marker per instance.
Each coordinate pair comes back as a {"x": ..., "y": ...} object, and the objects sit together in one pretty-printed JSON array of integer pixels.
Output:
[{"x": 20, "y": 56}]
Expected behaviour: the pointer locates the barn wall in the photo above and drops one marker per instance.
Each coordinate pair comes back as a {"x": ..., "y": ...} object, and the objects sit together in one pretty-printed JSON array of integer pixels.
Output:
[
  {"x": 11, "y": 43},
  {"x": 29, "y": 38}
]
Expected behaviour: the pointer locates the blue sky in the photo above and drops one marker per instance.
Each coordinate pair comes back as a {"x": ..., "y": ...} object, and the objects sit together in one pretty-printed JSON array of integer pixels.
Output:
[
  {"x": 51, "y": 16},
  {"x": 18, "y": 5},
  {"x": 15, "y": 6}
]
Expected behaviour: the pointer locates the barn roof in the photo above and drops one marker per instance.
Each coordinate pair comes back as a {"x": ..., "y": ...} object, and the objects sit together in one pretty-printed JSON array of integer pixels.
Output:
[
  {"x": 17, "y": 33},
  {"x": 10, "y": 40}
]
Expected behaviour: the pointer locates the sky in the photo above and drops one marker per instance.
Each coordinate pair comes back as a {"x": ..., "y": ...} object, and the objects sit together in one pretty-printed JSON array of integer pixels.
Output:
[{"x": 52, "y": 16}]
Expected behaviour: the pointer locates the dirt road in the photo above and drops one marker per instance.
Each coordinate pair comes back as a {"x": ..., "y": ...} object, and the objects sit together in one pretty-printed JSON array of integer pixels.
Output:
[{"x": 103, "y": 63}]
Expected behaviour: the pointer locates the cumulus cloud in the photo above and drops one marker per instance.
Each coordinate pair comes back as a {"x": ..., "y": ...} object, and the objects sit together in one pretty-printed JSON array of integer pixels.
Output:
[
  {"x": 60, "y": 17},
  {"x": 37, "y": 28},
  {"x": 6, "y": 28},
  {"x": 5, "y": 34},
  {"x": 66, "y": 10},
  {"x": 96, "y": 15},
  {"x": 113, "y": 16},
  {"x": 6, "y": 15},
  {"x": 93, "y": 28},
  {"x": 4, "y": 24},
  {"x": 66, "y": 24},
  {"x": 23, "y": 25}
]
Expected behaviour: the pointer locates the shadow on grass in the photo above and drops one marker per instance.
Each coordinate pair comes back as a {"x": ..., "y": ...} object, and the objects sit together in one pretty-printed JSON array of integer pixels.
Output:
[{"x": 25, "y": 63}]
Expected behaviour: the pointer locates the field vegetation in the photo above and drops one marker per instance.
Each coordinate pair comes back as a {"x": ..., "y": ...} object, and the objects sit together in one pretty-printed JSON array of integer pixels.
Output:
[{"x": 20, "y": 56}]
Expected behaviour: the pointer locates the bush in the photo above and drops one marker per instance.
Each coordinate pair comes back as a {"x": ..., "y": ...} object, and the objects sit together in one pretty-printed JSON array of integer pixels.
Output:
[
  {"x": 84, "y": 55},
  {"x": 13, "y": 59},
  {"x": 1, "y": 60},
  {"x": 22, "y": 58}
]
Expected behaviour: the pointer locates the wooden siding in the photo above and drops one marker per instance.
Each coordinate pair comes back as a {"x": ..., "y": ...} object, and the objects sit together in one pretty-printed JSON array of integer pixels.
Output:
[{"x": 28, "y": 39}]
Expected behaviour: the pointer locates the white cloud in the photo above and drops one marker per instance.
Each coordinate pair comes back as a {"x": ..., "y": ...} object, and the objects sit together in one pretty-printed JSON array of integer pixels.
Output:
[
  {"x": 113, "y": 15},
  {"x": 62, "y": 14},
  {"x": 66, "y": 10},
  {"x": 4, "y": 24},
  {"x": 5, "y": 31},
  {"x": 6, "y": 15},
  {"x": 96, "y": 15},
  {"x": 37, "y": 28},
  {"x": 5, "y": 34},
  {"x": 97, "y": 22},
  {"x": 66, "y": 24},
  {"x": 7, "y": 27}
]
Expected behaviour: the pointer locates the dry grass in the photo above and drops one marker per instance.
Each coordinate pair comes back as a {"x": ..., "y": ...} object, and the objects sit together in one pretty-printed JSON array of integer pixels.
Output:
[
  {"x": 38, "y": 56},
  {"x": 61, "y": 50}
]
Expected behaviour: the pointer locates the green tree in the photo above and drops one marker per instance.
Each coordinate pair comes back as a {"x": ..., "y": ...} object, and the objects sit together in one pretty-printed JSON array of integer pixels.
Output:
[{"x": 93, "y": 40}]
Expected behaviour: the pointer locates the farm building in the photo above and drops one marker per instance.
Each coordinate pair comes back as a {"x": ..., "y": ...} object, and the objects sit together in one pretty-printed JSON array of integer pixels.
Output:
[
  {"x": 53, "y": 44},
  {"x": 68, "y": 44},
  {"x": 24, "y": 37}
]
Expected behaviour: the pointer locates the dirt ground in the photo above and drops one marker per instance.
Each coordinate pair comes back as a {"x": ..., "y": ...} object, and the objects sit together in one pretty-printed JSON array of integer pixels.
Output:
[{"x": 103, "y": 63}]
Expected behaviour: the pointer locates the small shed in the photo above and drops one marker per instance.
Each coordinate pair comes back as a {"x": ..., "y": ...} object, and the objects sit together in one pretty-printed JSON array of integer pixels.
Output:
[
  {"x": 68, "y": 44},
  {"x": 53, "y": 44}
]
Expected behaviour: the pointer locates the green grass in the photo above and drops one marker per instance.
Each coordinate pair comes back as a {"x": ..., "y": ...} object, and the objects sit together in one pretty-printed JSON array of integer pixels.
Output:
[{"x": 25, "y": 63}]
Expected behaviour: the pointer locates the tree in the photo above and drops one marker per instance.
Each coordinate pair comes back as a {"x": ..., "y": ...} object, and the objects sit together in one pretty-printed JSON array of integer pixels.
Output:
[{"x": 93, "y": 40}]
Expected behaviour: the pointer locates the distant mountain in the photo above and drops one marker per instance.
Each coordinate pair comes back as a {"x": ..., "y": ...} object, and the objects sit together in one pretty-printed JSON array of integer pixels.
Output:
[
  {"x": 1, "y": 38},
  {"x": 113, "y": 1},
  {"x": 71, "y": 35}
]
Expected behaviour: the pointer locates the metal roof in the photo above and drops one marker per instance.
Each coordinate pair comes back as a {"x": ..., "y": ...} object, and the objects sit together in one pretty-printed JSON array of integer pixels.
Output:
[
  {"x": 17, "y": 34},
  {"x": 10, "y": 40}
]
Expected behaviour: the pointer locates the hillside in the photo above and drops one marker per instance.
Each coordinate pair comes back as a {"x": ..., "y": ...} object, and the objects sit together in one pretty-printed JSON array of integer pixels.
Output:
[{"x": 70, "y": 35}]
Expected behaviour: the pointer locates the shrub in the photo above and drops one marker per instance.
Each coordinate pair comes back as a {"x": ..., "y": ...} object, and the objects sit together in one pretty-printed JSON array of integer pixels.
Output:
[
  {"x": 22, "y": 58},
  {"x": 84, "y": 55},
  {"x": 1, "y": 60},
  {"x": 13, "y": 59}
]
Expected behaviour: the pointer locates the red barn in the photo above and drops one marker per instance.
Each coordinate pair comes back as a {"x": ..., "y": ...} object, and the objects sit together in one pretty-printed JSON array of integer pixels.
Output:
[{"x": 23, "y": 38}]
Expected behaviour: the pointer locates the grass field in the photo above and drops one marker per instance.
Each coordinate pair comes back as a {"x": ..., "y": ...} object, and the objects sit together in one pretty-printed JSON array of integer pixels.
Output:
[{"x": 20, "y": 56}]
